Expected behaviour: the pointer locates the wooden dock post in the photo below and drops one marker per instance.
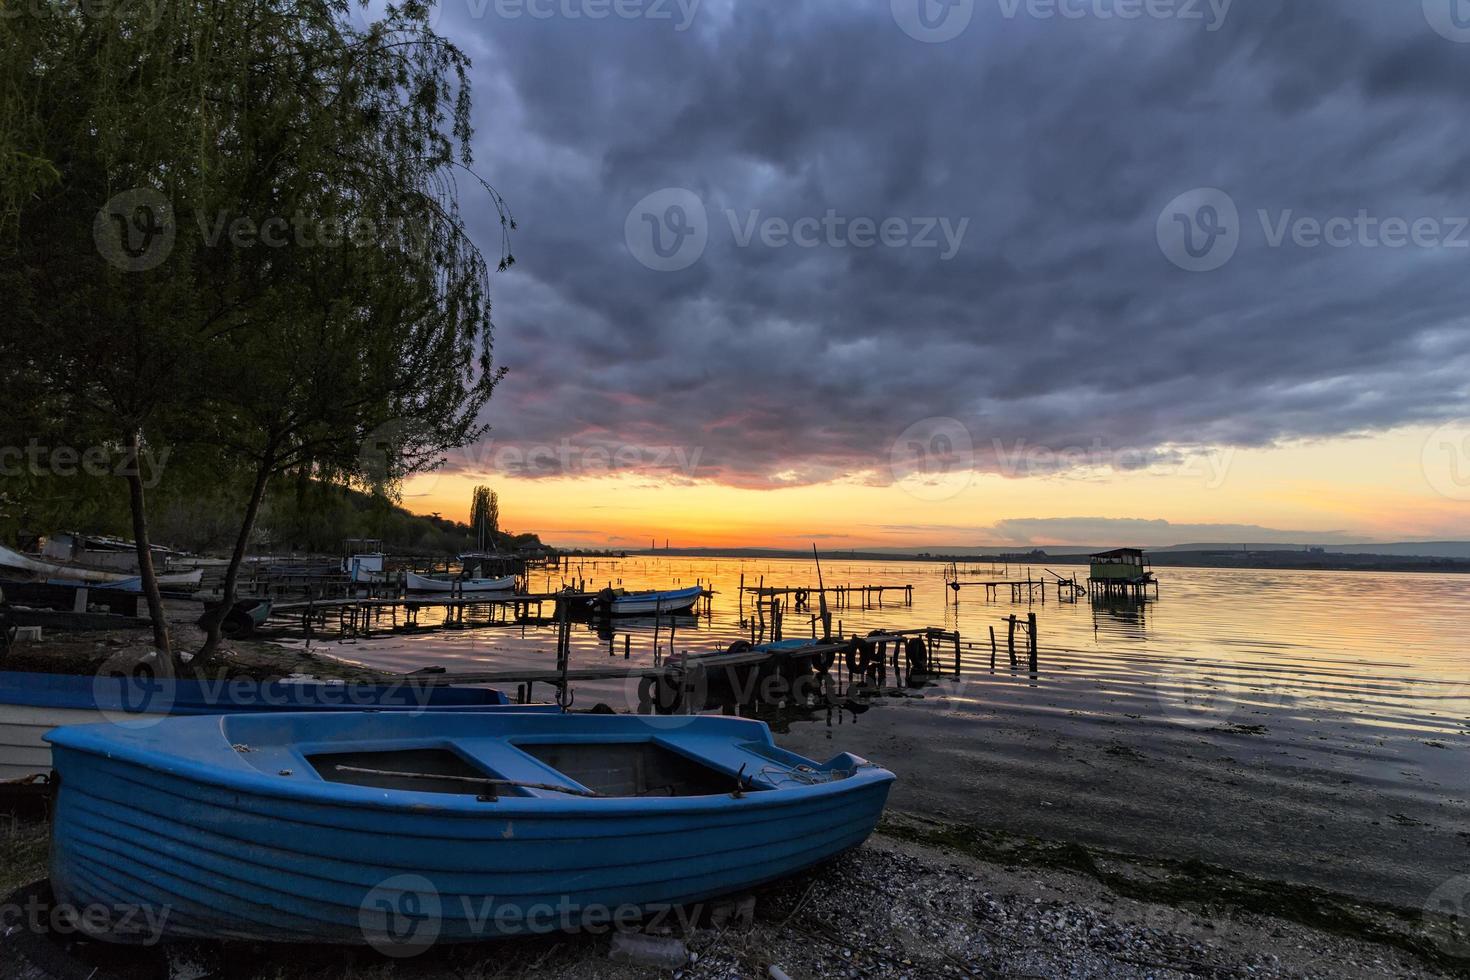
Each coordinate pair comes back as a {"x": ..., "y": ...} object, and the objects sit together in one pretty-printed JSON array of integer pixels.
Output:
[
  {"x": 1011, "y": 638},
  {"x": 1032, "y": 631},
  {"x": 992, "y": 648}
]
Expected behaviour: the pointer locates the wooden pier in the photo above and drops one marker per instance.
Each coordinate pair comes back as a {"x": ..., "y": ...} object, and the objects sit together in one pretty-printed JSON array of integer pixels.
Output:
[
  {"x": 843, "y": 596},
  {"x": 742, "y": 674}
]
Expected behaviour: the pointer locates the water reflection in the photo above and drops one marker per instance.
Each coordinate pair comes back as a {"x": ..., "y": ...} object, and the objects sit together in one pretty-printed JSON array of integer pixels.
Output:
[{"x": 1384, "y": 647}]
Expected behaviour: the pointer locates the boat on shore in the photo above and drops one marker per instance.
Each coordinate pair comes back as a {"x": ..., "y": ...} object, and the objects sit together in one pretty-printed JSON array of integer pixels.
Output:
[
  {"x": 422, "y": 583},
  {"x": 616, "y": 602},
  {"x": 60, "y": 573},
  {"x": 33, "y": 704},
  {"x": 408, "y": 830}
]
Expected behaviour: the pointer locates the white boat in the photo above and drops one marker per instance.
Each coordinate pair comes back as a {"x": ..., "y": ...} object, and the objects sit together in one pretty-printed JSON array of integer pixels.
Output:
[
  {"x": 420, "y": 583},
  {"x": 647, "y": 603},
  {"x": 63, "y": 574},
  {"x": 366, "y": 568}
]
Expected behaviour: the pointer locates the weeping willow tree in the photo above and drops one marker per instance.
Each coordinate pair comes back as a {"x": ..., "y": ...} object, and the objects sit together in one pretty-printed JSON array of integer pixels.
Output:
[
  {"x": 485, "y": 516},
  {"x": 252, "y": 217}
]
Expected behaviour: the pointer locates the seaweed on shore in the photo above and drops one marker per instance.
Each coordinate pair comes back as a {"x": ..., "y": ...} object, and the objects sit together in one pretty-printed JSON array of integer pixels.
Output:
[{"x": 1188, "y": 883}]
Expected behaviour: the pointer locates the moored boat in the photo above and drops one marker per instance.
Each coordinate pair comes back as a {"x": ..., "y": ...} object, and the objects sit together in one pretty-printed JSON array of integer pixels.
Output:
[
  {"x": 33, "y": 704},
  {"x": 422, "y": 583},
  {"x": 395, "y": 828},
  {"x": 618, "y": 603}
]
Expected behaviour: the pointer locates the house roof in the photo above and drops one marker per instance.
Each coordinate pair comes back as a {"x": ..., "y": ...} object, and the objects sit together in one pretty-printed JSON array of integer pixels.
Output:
[{"x": 1120, "y": 553}]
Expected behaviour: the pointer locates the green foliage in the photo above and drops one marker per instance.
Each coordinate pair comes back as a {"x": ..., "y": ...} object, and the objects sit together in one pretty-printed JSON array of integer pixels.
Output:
[{"x": 232, "y": 227}]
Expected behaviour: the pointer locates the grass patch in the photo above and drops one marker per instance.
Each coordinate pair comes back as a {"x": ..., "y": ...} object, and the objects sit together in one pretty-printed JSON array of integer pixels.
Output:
[{"x": 24, "y": 852}]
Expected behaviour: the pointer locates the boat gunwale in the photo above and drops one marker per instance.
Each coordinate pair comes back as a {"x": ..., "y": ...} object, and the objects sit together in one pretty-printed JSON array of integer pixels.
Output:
[{"x": 91, "y": 740}]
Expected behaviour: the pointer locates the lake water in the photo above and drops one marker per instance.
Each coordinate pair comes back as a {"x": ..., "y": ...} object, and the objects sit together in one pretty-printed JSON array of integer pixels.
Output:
[
  {"x": 1387, "y": 649},
  {"x": 1304, "y": 725}
]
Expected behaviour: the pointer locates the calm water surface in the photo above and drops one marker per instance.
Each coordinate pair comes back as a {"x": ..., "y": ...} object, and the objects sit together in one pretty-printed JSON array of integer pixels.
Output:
[
  {"x": 1385, "y": 650},
  {"x": 1300, "y": 726}
]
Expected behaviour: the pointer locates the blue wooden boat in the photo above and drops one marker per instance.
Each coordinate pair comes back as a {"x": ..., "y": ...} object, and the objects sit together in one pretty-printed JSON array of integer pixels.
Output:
[
  {"x": 33, "y": 704},
  {"x": 374, "y": 828}
]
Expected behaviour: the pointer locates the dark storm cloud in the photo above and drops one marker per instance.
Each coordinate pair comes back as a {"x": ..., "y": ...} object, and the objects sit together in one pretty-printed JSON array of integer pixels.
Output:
[{"x": 1059, "y": 321}]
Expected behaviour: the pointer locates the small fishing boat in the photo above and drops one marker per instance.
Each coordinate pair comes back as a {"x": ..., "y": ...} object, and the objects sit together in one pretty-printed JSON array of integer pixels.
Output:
[
  {"x": 421, "y": 583},
  {"x": 361, "y": 828},
  {"x": 63, "y": 574},
  {"x": 33, "y": 704},
  {"x": 244, "y": 618},
  {"x": 616, "y": 602}
]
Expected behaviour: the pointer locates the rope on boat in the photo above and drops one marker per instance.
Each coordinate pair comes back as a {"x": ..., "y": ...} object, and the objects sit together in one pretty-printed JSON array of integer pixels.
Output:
[{"x": 475, "y": 780}]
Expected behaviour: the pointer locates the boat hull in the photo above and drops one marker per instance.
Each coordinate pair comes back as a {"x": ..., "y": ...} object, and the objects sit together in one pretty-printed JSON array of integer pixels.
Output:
[
  {"x": 33, "y": 704},
  {"x": 420, "y": 583},
  {"x": 656, "y": 603},
  {"x": 64, "y": 574},
  {"x": 277, "y": 866}
]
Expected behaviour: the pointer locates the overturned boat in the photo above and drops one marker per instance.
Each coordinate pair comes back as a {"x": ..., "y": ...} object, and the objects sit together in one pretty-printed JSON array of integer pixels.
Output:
[{"x": 400, "y": 829}]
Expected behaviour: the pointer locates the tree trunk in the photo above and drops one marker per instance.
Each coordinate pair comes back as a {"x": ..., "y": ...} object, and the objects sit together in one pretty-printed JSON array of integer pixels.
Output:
[
  {"x": 136, "y": 503},
  {"x": 215, "y": 622}
]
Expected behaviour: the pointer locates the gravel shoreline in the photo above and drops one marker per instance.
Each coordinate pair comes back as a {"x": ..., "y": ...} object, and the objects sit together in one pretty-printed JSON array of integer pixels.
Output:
[{"x": 893, "y": 908}]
